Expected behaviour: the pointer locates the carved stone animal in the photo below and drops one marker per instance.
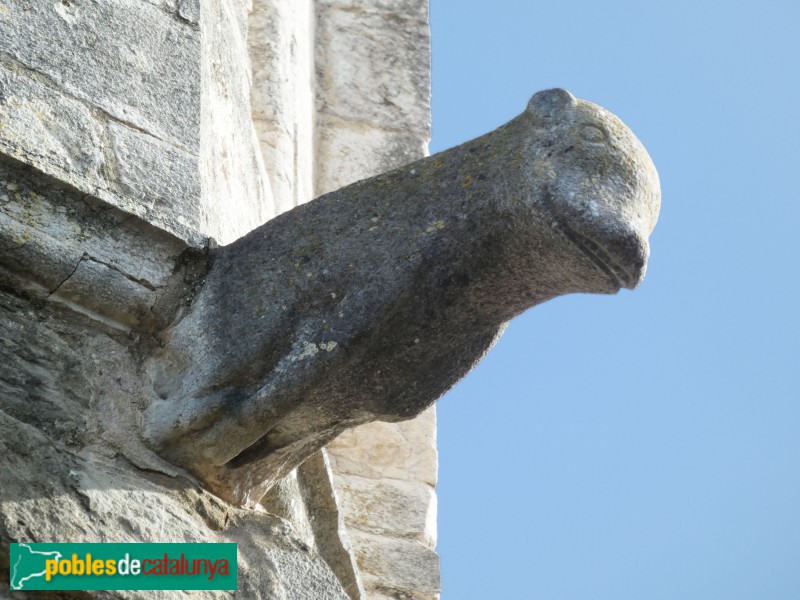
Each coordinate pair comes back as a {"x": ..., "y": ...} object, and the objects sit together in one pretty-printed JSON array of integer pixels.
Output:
[{"x": 372, "y": 301}]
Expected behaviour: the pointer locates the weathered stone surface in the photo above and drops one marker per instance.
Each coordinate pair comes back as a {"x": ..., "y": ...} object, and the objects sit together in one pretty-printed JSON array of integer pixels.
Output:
[
  {"x": 46, "y": 128},
  {"x": 370, "y": 302},
  {"x": 147, "y": 75},
  {"x": 330, "y": 537},
  {"x": 120, "y": 113},
  {"x": 72, "y": 140},
  {"x": 281, "y": 47},
  {"x": 236, "y": 194},
  {"x": 285, "y": 500},
  {"x": 305, "y": 498},
  {"x": 301, "y": 578},
  {"x": 392, "y": 566},
  {"x": 389, "y": 460},
  {"x": 189, "y": 10},
  {"x": 50, "y": 495},
  {"x": 41, "y": 374},
  {"x": 69, "y": 397},
  {"x": 350, "y": 147},
  {"x": 168, "y": 6},
  {"x": 368, "y": 70},
  {"x": 61, "y": 246},
  {"x": 393, "y": 9},
  {"x": 388, "y": 507},
  {"x": 404, "y": 451},
  {"x": 97, "y": 286},
  {"x": 158, "y": 176}
]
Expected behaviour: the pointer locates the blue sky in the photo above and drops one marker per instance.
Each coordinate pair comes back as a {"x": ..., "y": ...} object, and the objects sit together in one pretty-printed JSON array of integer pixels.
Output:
[{"x": 643, "y": 445}]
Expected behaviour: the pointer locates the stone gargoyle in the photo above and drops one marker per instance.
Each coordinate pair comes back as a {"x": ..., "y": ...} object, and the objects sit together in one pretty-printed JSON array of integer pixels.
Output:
[{"x": 370, "y": 302}]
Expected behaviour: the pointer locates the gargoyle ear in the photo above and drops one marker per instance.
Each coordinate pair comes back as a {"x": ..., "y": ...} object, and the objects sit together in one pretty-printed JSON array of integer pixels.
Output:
[{"x": 548, "y": 103}]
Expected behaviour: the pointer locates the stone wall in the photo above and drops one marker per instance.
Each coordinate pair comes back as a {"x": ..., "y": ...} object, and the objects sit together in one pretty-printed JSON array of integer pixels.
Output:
[
  {"x": 236, "y": 195},
  {"x": 281, "y": 46},
  {"x": 133, "y": 132},
  {"x": 85, "y": 117}
]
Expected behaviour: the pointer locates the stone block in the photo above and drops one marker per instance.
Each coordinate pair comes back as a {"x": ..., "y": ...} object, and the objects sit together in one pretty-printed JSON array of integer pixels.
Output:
[
  {"x": 354, "y": 151},
  {"x": 285, "y": 500},
  {"x": 147, "y": 74},
  {"x": 189, "y": 10},
  {"x": 161, "y": 178},
  {"x": 59, "y": 240},
  {"x": 397, "y": 9},
  {"x": 105, "y": 290},
  {"x": 236, "y": 195},
  {"x": 318, "y": 581},
  {"x": 281, "y": 46},
  {"x": 373, "y": 69},
  {"x": 330, "y": 536},
  {"x": 40, "y": 259},
  {"x": 55, "y": 133},
  {"x": 389, "y": 507},
  {"x": 397, "y": 565},
  {"x": 404, "y": 451}
]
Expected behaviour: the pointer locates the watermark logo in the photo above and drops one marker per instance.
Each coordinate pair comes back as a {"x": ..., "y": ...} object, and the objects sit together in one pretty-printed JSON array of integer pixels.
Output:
[{"x": 123, "y": 566}]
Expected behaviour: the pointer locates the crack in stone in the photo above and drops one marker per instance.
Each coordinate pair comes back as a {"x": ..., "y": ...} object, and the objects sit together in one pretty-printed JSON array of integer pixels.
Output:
[
  {"x": 142, "y": 282},
  {"x": 140, "y": 129},
  {"x": 67, "y": 278},
  {"x": 47, "y": 80}
]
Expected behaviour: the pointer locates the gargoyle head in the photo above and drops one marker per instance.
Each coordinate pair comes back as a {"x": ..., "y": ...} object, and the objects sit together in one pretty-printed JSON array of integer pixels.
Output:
[{"x": 599, "y": 183}]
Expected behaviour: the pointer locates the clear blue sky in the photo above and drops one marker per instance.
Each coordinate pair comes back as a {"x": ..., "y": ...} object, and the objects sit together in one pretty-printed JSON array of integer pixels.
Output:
[{"x": 643, "y": 445}]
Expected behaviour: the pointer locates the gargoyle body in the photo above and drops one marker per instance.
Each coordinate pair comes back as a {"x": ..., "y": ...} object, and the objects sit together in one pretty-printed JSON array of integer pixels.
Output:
[{"x": 370, "y": 302}]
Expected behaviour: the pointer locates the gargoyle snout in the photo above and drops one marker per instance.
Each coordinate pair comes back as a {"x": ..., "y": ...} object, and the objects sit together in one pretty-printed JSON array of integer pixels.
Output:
[
  {"x": 628, "y": 250},
  {"x": 610, "y": 226},
  {"x": 625, "y": 226}
]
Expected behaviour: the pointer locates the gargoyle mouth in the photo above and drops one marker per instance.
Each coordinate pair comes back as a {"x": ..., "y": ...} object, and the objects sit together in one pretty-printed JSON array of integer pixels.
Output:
[{"x": 599, "y": 256}]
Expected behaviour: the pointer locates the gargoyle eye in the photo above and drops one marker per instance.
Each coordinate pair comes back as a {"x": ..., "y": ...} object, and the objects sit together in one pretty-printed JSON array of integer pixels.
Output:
[{"x": 593, "y": 134}]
